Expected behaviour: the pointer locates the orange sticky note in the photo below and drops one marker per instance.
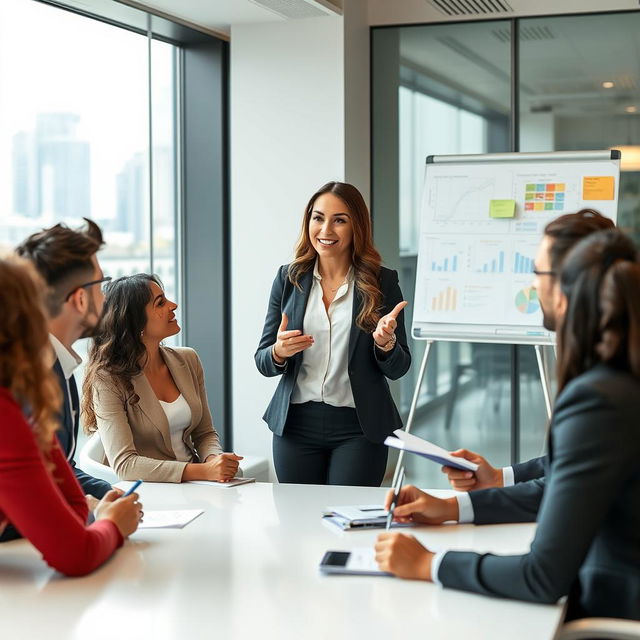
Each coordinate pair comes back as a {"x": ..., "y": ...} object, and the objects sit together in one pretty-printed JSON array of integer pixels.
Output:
[{"x": 598, "y": 187}]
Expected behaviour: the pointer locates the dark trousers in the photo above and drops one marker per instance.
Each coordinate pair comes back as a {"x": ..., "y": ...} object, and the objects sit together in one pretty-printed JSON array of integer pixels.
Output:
[{"x": 322, "y": 444}]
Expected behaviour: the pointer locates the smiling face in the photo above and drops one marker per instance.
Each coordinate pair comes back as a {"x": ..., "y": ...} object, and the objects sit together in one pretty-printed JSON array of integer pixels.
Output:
[
  {"x": 331, "y": 227},
  {"x": 161, "y": 319}
]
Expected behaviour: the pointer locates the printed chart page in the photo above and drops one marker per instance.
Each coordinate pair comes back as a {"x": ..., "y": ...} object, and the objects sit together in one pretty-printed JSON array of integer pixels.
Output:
[{"x": 481, "y": 224}]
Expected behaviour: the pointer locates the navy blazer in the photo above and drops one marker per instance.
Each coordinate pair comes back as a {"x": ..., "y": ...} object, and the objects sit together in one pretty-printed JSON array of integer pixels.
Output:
[
  {"x": 587, "y": 543},
  {"x": 368, "y": 367},
  {"x": 68, "y": 436},
  {"x": 529, "y": 470}
]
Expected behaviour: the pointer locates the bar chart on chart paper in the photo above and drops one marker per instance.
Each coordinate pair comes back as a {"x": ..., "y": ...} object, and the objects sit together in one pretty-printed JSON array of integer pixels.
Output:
[
  {"x": 445, "y": 300},
  {"x": 475, "y": 261}
]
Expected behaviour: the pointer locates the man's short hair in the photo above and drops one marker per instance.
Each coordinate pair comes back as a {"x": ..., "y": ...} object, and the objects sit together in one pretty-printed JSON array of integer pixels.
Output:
[
  {"x": 63, "y": 257},
  {"x": 567, "y": 230}
]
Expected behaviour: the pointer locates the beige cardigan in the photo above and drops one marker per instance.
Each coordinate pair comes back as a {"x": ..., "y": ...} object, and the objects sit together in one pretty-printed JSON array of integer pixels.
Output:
[{"x": 136, "y": 438}]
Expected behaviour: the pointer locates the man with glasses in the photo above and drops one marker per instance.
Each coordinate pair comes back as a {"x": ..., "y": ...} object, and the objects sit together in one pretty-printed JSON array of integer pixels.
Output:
[
  {"x": 560, "y": 236},
  {"x": 67, "y": 261}
]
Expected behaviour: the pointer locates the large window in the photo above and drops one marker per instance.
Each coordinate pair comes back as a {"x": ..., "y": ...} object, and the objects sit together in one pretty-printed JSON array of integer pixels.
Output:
[
  {"x": 87, "y": 129},
  {"x": 455, "y": 86},
  {"x": 111, "y": 113}
]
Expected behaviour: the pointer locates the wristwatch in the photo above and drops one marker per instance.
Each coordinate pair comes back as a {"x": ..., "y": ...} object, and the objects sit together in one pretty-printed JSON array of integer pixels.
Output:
[{"x": 389, "y": 345}]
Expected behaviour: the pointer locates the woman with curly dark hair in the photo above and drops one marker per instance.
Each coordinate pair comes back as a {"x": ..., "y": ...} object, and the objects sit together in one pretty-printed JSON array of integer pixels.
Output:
[
  {"x": 148, "y": 402},
  {"x": 334, "y": 331}
]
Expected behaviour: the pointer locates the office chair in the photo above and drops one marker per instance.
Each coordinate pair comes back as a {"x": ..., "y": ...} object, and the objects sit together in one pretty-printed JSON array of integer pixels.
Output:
[{"x": 600, "y": 629}]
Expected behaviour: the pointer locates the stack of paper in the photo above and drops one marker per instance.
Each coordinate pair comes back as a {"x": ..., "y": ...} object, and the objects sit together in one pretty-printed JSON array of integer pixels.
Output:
[
  {"x": 426, "y": 449},
  {"x": 359, "y": 516}
]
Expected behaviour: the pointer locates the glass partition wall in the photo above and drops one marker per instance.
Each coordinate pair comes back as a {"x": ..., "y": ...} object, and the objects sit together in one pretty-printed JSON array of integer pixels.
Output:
[{"x": 450, "y": 89}]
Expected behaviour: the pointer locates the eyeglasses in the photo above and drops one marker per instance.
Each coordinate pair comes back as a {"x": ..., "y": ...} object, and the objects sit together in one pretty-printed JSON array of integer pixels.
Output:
[
  {"x": 86, "y": 285},
  {"x": 543, "y": 273}
]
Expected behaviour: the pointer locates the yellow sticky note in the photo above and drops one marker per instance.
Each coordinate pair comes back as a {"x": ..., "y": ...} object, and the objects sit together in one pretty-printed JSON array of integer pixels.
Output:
[
  {"x": 598, "y": 187},
  {"x": 502, "y": 208}
]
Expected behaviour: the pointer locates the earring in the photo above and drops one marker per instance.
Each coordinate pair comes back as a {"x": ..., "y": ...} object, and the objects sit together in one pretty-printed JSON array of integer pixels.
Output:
[{"x": 142, "y": 334}]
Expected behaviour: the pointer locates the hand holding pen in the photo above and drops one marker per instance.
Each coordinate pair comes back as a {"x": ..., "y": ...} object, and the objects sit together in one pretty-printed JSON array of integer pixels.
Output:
[
  {"x": 394, "y": 499},
  {"x": 123, "y": 510}
]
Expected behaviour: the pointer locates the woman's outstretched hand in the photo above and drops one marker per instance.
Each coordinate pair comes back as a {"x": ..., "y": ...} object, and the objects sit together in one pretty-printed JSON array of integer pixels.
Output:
[
  {"x": 386, "y": 329},
  {"x": 288, "y": 343}
]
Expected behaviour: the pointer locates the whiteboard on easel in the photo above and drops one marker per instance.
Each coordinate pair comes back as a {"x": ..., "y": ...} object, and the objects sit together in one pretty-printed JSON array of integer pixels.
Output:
[{"x": 482, "y": 219}]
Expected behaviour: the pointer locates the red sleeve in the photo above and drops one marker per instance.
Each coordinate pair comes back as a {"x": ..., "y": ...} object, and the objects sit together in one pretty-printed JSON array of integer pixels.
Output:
[{"x": 50, "y": 514}]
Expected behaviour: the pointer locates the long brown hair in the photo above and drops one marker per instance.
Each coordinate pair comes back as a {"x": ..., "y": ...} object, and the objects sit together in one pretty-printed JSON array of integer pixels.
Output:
[
  {"x": 365, "y": 258},
  {"x": 117, "y": 347},
  {"x": 25, "y": 357},
  {"x": 601, "y": 280}
]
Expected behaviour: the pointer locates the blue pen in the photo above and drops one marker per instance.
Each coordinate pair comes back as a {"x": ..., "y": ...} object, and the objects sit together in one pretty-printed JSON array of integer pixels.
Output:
[{"x": 135, "y": 485}]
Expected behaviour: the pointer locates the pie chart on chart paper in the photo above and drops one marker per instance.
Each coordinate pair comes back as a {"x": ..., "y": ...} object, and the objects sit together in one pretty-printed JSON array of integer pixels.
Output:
[{"x": 527, "y": 300}]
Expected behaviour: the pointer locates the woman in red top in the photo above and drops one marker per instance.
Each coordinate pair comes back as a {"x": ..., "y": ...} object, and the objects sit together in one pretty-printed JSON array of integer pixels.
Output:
[{"x": 39, "y": 494}]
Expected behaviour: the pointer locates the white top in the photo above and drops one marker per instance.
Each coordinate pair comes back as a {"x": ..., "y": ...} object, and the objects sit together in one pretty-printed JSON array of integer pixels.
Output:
[
  {"x": 323, "y": 374},
  {"x": 178, "y": 415},
  {"x": 69, "y": 359},
  {"x": 263, "y": 545}
]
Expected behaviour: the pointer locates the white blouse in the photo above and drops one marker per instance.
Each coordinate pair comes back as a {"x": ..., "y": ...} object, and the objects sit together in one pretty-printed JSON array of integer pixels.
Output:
[
  {"x": 178, "y": 415},
  {"x": 323, "y": 375}
]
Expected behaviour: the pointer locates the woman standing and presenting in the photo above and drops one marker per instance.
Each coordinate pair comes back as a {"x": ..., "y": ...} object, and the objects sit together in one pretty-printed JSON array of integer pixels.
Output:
[{"x": 334, "y": 331}]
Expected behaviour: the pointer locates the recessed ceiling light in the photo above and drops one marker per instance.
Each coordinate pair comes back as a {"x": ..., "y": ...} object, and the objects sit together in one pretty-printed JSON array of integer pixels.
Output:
[
  {"x": 607, "y": 84},
  {"x": 631, "y": 109}
]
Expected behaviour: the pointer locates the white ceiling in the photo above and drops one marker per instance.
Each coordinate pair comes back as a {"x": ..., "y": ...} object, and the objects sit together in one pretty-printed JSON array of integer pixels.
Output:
[
  {"x": 219, "y": 15},
  {"x": 563, "y": 61}
]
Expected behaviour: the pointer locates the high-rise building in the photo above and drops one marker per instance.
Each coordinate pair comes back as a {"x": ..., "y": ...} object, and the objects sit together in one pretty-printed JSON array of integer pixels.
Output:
[
  {"x": 131, "y": 187},
  {"x": 52, "y": 169}
]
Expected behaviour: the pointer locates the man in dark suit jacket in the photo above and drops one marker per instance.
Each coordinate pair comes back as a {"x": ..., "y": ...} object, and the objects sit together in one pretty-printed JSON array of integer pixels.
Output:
[
  {"x": 587, "y": 505},
  {"x": 560, "y": 236},
  {"x": 66, "y": 259}
]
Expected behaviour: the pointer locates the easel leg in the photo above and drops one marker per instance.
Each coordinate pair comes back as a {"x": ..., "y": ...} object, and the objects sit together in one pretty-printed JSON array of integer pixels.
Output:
[
  {"x": 544, "y": 380},
  {"x": 414, "y": 404}
]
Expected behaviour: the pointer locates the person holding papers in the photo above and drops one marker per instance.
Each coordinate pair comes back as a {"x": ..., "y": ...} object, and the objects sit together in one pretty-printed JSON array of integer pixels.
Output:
[
  {"x": 560, "y": 236},
  {"x": 147, "y": 401},
  {"x": 39, "y": 494},
  {"x": 334, "y": 331},
  {"x": 587, "y": 543}
]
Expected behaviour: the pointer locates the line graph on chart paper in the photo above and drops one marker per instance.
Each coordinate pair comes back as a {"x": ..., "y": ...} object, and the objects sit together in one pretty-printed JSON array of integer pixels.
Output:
[{"x": 461, "y": 198}]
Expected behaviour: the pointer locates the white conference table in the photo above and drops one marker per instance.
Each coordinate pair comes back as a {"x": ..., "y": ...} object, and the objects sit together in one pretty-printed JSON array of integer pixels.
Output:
[{"x": 248, "y": 568}]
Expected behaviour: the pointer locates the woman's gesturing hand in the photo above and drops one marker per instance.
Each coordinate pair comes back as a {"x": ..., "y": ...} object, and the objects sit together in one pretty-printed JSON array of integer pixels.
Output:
[
  {"x": 288, "y": 343},
  {"x": 386, "y": 329}
]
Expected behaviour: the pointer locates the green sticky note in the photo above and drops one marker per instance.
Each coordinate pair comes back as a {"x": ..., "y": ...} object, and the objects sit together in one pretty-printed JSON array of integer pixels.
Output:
[{"x": 502, "y": 208}]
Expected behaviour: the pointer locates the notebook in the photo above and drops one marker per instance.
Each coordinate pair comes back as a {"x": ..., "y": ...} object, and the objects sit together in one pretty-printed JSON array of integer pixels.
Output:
[{"x": 413, "y": 444}]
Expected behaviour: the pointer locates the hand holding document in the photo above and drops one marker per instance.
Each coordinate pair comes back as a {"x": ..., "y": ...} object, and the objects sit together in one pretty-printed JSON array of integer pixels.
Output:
[{"x": 409, "y": 442}]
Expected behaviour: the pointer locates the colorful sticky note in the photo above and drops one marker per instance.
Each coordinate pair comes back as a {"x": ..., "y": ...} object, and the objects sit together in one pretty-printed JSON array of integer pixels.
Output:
[
  {"x": 598, "y": 187},
  {"x": 538, "y": 206},
  {"x": 548, "y": 206},
  {"x": 502, "y": 208},
  {"x": 549, "y": 195},
  {"x": 529, "y": 195},
  {"x": 551, "y": 186},
  {"x": 528, "y": 206},
  {"x": 531, "y": 187}
]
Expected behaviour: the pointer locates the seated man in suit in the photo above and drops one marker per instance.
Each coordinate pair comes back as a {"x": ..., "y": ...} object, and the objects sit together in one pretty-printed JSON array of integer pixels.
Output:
[
  {"x": 66, "y": 259},
  {"x": 560, "y": 236},
  {"x": 587, "y": 505}
]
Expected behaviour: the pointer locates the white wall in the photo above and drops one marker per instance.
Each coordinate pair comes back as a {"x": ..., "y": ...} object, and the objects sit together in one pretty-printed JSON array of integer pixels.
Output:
[{"x": 287, "y": 139}]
